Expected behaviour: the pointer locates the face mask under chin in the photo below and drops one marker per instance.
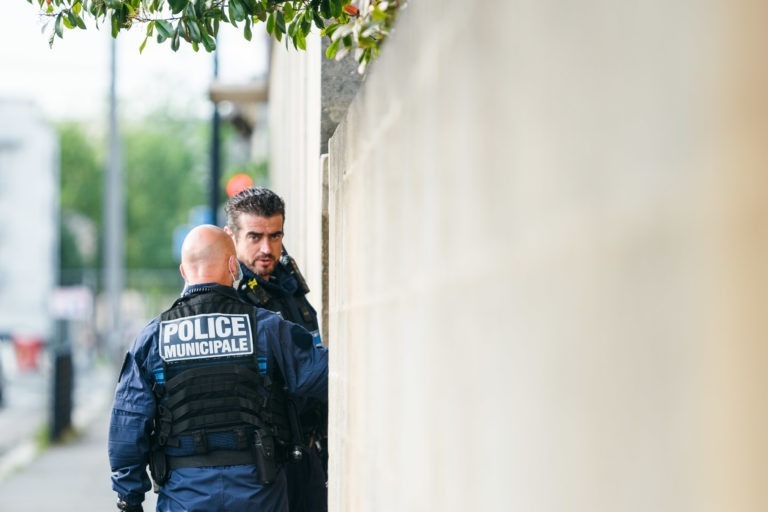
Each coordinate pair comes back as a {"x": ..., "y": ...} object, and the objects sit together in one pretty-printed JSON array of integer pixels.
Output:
[{"x": 236, "y": 280}]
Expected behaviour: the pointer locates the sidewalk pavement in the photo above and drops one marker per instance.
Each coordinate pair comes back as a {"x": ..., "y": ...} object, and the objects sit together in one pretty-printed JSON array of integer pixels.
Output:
[{"x": 69, "y": 476}]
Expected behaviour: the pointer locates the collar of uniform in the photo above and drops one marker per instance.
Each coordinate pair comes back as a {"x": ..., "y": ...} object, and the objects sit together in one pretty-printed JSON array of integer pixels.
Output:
[
  {"x": 284, "y": 279},
  {"x": 280, "y": 282},
  {"x": 249, "y": 274},
  {"x": 209, "y": 287}
]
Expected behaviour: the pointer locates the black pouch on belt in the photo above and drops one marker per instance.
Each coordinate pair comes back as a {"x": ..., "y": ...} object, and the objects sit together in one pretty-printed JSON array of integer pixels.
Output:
[
  {"x": 264, "y": 453},
  {"x": 158, "y": 466}
]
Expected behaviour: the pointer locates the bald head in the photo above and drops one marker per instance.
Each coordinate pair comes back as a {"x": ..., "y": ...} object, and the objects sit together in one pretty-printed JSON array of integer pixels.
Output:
[{"x": 208, "y": 256}]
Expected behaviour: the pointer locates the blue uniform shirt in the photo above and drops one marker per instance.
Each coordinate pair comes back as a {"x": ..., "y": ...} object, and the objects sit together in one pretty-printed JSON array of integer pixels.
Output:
[{"x": 304, "y": 368}]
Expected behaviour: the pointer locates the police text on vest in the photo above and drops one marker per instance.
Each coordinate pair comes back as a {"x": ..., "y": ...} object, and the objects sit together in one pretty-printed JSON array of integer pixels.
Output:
[{"x": 205, "y": 337}]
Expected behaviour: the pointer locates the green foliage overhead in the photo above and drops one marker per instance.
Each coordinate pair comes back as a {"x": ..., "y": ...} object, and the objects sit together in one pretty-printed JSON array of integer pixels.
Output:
[{"x": 196, "y": 22}]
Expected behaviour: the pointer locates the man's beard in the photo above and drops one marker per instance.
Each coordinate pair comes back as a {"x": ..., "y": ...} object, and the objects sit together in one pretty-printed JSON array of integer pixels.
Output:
[{"x": 262, "y": 270}]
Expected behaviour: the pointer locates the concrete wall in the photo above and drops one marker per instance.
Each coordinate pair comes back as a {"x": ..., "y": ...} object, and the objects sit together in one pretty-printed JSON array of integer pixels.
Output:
[
  {"x": 309, "y": 96},
  {"x": 295, "y": 170},
  {"x": 549, "y": 236}
]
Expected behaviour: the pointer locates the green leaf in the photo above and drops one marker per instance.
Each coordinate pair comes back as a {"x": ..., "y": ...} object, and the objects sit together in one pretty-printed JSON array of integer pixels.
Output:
[
  {"x": 325, "y": 9},
  {"x": 301, "y": 41},
  {"x": 271, "y": 23},
  {"x": 209, "y": 43},
  {"x": 193, "y": 30},
  {"x": 236, "y": 11},
  {"x": 288, "y": 12},
  {"x": 306, "y": 26},
  {"x": 68, "y": 21},
  {"x": 336, "y": 8},
  {"x": 165, "y": 29},
  {"x": 57, "y": 26},
  {"x": 332, "y": 49},
  {"x": 329, "y": 29},
  {"x": 378, "y": 14},
  {"x": 72, "y": 19},
  {"x": 280, "y": 23},
  {"x": 247, "y": 34},
  {"x": 143, "y": 44},
  {"x": 175, "y": 41},
  {"x": 260, "y": 12},
  {"x": 177, "y": 5},
  {"x": 366, "y": 42},
  {"x": 115, "y": 21},
  {"x": 318, "y": 20},
  {"x": 80, "y": 22},
  {"x": 77, "y": 7}
]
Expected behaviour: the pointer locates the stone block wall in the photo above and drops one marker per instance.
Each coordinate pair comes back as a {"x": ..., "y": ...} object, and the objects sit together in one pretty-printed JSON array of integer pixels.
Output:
[{"x": 548, "y": 245}]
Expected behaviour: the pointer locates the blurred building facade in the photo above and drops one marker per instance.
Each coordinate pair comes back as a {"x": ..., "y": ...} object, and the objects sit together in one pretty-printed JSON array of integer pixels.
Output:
[
  {"x": 29, "y": 214},
  {"x": 546, "y": 252}
]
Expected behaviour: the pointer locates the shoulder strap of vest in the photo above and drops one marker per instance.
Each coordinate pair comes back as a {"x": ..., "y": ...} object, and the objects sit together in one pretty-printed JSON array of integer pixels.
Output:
[{"x": 287, "y": 261}]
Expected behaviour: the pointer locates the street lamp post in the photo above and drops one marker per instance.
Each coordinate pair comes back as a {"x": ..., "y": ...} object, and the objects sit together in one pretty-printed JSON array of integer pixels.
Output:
[
  {"x": 215, "y": 150},
  {"x": 113, "y": 215}
]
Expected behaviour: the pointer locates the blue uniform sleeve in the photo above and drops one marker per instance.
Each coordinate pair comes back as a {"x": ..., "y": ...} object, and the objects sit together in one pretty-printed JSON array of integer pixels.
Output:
[
  {"x": 131, "y": 420},
  {"x": 303, "y": 365}
]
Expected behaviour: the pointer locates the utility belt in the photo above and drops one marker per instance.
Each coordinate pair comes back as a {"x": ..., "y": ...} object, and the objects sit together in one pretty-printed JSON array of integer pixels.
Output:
[{"x": 262, "y": 450}]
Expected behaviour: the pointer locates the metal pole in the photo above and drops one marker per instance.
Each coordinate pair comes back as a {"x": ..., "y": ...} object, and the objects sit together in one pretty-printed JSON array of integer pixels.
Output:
[
  {"x": 215, "y": 150},
  {"x": 113, "y": 215}
]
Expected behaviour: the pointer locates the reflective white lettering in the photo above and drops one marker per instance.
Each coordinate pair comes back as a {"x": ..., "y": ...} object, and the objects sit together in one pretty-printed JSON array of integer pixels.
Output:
[
  {"x": 169, "y": 330},
  {"x": 238, "y": 326},
  {"x": 221, "y": 330},
  {"x": 186, "y": 330},
  {"x": 199, "y": 334}
]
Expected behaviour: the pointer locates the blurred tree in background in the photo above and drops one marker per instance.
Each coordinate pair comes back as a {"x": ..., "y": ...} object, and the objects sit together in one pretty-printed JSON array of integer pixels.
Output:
[
  {"x": 165, "y": 167},
  {"x": 80, "y": 199},
  {"x": 166, "y": 171}
]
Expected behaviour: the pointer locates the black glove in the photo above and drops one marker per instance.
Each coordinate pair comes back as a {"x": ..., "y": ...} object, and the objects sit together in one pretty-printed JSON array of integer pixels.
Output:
[{"x": 127, "y": 507}]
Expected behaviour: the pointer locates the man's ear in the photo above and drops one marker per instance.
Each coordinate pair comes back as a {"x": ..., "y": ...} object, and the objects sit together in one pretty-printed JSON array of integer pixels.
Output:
[
  {"x": 229, "y": 231},
  {"x": 181, "y": 269}
]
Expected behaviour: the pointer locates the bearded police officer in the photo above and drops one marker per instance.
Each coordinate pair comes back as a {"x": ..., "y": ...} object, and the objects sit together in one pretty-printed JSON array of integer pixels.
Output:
[
  {"x": 202, "y": 393},
  {"x": 255, "y": 221}
]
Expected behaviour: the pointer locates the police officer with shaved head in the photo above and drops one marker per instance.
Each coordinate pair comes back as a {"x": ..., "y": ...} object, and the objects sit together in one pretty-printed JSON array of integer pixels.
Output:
[{"x": 202, "y": 392}]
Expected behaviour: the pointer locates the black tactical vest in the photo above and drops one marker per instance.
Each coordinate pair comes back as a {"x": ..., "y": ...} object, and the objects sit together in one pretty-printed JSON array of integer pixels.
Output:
[{"x": 215, "y": 403}]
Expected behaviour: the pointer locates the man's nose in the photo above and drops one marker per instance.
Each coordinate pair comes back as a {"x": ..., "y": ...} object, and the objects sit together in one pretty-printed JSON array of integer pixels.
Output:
[{"x": 264, "y": 246}]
